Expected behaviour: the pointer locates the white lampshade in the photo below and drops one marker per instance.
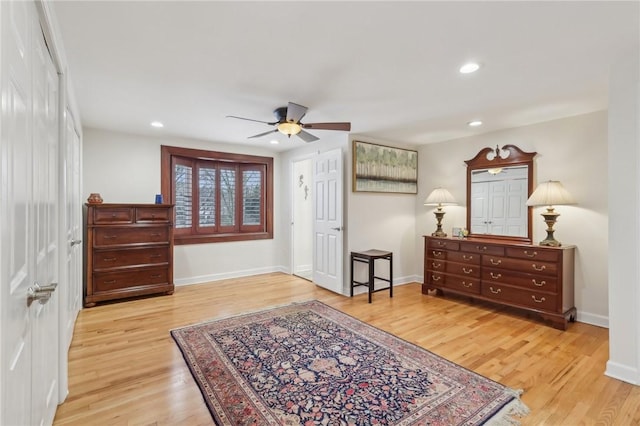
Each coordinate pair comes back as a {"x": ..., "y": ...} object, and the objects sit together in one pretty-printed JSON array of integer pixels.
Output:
[
  {"x": 550, "y": 193},
  {"x": 440, "y": 197}
]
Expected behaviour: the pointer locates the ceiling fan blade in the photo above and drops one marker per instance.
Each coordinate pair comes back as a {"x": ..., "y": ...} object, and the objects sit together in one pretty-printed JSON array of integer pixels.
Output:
[
  {"x": 295, "y": 112},
  {"x": 328, "y": 126},
  {"x": 307, "y": 137},
  {"x": 271, "y": 123},
  {"x": 263, "y": 134}
]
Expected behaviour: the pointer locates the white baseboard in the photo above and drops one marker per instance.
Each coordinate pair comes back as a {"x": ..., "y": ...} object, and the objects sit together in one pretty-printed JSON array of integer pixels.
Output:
[
  {"x": 622, "y": 372},
  {"x": 593, "y": 319},
  {"x": 227, "y": 275}
]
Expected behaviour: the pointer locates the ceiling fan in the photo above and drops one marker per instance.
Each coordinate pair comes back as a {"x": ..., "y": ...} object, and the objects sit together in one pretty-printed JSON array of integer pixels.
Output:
[{"x": 288, "y": 122}]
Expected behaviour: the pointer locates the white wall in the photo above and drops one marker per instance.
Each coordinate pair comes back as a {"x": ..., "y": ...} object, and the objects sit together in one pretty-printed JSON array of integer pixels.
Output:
[
  {"x": 125, "y": 168},
  {"x": 572, "y": 150},
  {"x": 372, "y": 220},
  {"x": 624, "y": 226}
]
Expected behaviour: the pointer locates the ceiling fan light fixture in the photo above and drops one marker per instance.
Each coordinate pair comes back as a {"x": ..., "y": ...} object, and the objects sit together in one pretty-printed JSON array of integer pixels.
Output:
[{"x": 289, "y": 128}]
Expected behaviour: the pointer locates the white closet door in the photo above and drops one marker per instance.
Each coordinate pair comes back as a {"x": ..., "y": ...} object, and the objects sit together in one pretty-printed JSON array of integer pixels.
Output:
[{"x": 28, "y": 219}]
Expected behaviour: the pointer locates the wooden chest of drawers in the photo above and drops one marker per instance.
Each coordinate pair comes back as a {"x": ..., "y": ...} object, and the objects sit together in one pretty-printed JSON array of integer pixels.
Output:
[
  {"x": 534, "y": 278},
  {"x": 129, "y": 251}
]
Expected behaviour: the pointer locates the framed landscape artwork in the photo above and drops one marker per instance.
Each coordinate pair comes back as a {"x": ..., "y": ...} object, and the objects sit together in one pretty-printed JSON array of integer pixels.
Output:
[{"x": 379, "y": 168}]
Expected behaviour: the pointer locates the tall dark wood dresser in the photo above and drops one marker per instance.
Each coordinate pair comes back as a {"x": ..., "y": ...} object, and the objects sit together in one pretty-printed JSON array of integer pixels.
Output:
[{"x": 129, "y": 251}]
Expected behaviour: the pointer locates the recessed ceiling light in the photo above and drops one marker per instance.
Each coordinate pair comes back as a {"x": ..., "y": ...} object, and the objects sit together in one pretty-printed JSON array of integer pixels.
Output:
[
  {"x": 157, "y": 124},
  {"x": 275, "y": 142},
  {"x": 475, "y": 123},
  {"x": 469, "y": 68}
]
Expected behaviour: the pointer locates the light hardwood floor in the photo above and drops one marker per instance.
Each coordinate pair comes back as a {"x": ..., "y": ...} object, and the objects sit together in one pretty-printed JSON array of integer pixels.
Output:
[{"x": 124, "y": 368}]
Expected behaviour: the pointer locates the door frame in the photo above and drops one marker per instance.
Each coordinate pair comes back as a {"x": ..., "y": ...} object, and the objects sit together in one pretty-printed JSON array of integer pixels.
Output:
[{"x": 66, "y": 102}]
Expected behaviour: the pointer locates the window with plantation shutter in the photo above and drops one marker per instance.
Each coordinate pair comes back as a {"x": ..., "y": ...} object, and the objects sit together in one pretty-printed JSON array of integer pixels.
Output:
[{"x": 218, "y": 196}]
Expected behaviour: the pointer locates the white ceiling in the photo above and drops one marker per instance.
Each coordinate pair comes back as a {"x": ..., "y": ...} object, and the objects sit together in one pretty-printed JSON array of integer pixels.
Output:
[{"x": 391, "y": 68}]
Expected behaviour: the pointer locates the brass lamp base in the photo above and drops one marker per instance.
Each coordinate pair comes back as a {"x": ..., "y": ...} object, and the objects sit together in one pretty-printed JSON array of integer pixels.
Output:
[
  {"x": 550, "y": 218},
  {"x": 439, "y": 232}
]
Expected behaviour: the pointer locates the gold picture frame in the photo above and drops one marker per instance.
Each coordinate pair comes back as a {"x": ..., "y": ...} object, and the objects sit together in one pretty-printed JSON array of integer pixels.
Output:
[{"x": 381, "y": 168}]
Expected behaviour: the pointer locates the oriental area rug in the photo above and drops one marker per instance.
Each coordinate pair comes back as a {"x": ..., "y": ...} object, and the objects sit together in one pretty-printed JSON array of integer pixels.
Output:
[{"x": 309, "y": 364}]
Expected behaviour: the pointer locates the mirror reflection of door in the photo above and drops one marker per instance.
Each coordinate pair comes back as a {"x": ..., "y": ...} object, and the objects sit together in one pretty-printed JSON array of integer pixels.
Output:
[
  {"x": 302, "y": 220},
  {"x": 499, "y": 201}
]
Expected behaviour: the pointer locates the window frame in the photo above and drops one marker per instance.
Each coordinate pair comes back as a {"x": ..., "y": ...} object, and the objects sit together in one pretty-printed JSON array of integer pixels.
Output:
[{"x": 240, "y": 162}]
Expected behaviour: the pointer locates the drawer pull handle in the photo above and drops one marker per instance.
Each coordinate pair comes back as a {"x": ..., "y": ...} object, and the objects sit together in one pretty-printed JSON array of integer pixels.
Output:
[
  {"x": 437, "y": 253},
  {"x": 534, "y": 254},
  {"x": 109, "y": 259},
  {"x": 495, "y": 276},
  {"x": 155, "y": 234},
  {"x": 465, "y": 257},
  {"x": 464, "y": 284},
  {"x": 434, "y": 278},
  {"x": 493, "y": 262},
  {"x": 483, "y": 248},
  {"x": 156, "y": 255},
  {"x": 467, "y": 271},
  {"x": 538, "y": 284},
  {"x": 495, "y": 291},
  {"x": 156, "y": 276},
  {"x": 153, "y": 215},
  {"x": 110, "y": 237},
  {"x": 541, "y": 268},
  {"x": 110, "y": 282},
  {"x": 436, "y": 265},
  {"x": 542, "y": 299},
  {"x": 113, "y": 215}
]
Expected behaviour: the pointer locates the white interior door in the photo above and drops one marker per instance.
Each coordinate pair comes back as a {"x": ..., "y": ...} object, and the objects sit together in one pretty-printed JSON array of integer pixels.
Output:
[
  {"x": 45, "y": 338},
  {"x": 28, "y": 220},
  {"x": 71, "y": 245},
  {"x": 328, "y": 220}
]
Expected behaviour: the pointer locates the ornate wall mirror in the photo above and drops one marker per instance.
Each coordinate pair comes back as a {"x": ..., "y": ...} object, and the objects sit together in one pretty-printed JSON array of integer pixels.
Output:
[{"x": 499, "y": 182}]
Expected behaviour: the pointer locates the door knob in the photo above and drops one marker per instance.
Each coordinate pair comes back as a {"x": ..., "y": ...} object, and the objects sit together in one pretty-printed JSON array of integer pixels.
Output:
[
  {"x": 40, "y": 293},
  {"x": 74, "y": 242},
  {"x": 339, "y": 228}
]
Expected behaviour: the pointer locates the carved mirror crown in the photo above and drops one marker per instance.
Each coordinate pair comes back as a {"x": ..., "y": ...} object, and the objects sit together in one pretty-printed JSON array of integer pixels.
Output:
[{"x": 499, "y": 182}]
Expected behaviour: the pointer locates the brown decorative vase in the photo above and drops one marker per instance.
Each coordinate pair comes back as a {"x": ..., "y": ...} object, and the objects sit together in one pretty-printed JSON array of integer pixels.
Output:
[{"x": 94, "y": 198}]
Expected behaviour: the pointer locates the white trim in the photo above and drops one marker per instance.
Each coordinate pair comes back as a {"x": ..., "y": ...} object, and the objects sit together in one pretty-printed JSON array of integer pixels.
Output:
[
  {"x": 227, "y": 275},
  {"x": 593, "y": 319},
  {"x": 622, "y": 372}
]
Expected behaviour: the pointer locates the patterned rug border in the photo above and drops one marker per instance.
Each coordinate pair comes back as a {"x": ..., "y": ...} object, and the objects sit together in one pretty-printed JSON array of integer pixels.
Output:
[{"x": 502, "y": 415}]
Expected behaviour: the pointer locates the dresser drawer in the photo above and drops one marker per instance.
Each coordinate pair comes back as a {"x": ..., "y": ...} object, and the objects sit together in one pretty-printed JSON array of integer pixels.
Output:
[
  {"x": 444, "y": 244},
  {"x": 467, "y": 285},
  {"x": 463, "y": 269},
  {"x": 113, "y": 215},
  {"x": 521, "y": 265},
  {"x": 477, "y": 247},
  {"x": 150, "y": 214},
  {"x": 462, "y": 257},
  {"x": 107, "y": 259},
  {"x": 113, "y": 236},
  {"x": 435, "y": 279},
  {"x": 438, "y": 254},
  {"x": 528, "y": 281},
  {"x": 534, "y": 254},
  {"x": 107, "y": 281},
  {"x": 436, "y": 265},
  {"x": 518, "y": 296}
]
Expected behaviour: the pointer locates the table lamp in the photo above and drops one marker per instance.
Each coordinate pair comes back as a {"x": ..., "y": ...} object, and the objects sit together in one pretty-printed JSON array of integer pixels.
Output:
[
  {"x": 439, "y": 197},
  {"x": 550, "y": 194}
]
